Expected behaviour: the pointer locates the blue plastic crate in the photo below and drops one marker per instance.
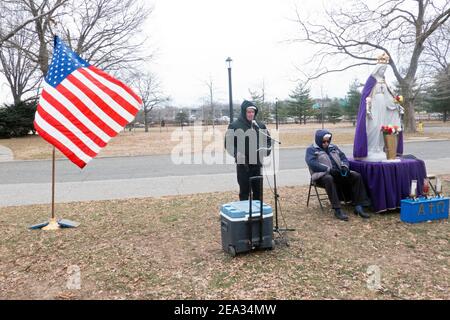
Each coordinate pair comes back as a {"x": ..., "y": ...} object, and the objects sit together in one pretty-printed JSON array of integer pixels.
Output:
[{"x": 424, "y": 209}]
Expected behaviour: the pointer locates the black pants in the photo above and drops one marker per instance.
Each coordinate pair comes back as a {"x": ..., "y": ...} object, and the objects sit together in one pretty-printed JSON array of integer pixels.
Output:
[
  {"x": 353, "y": 182},
  {"x": 244, "y": 172}
]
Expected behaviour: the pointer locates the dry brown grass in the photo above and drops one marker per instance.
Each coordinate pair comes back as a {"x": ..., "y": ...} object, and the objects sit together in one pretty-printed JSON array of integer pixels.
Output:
[
  {"x": 170, "y": 248},
  {"x": 159, "y": 141}
]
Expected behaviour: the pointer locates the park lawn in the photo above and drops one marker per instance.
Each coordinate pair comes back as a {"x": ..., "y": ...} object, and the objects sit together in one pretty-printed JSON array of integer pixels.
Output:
[
  {"x": 163, "y": 140},
  {"x": 170, "y": 248}
]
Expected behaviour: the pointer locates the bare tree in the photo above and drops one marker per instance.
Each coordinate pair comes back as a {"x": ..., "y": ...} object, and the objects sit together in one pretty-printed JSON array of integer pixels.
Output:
[
  {"x": 148, "y": 88},
  {"x": 107, "y": 32},
  {"x": 211, "y": 87},
  {"x": 354, "y": 36},
  {"x": 20, "y": 72},
  {"x": 104, "y": 32},
  {"x": 437, "y": 51},
  {"x": 10, "y": 25},
  {"x": 41, "y": 33}
]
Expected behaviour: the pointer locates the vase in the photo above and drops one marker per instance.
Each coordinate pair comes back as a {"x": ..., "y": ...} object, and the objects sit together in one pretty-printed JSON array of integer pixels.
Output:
[{"x": 390, "y": 145}]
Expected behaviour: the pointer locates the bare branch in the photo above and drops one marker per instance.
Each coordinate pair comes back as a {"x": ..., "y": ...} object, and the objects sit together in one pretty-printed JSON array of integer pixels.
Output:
[
  {"x": 343, "y": 37},
  {"x": 13, "y": 32},
  {"x": 316, "y": 76}
]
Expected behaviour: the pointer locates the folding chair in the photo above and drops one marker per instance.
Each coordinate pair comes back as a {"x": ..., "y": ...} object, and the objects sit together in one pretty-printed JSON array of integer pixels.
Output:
[{"x": 320, "y": 196}]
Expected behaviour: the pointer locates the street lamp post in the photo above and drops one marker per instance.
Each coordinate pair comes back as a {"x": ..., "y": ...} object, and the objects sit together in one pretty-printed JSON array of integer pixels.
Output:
[
  {"x": 276, "y": 113},
  {"x": 181, "y": 119},
  {"x": 230, "y": 94}
]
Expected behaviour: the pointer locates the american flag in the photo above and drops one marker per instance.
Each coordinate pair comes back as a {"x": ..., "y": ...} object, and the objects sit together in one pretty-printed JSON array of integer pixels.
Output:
[{"x": 81, "y": 107}]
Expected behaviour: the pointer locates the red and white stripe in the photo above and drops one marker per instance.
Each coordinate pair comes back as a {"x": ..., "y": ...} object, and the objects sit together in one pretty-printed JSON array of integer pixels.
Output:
[{"x": 84, "y": 112}]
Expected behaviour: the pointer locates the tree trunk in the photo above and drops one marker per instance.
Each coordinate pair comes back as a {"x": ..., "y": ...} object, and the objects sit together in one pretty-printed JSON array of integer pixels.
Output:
[
  {"x": 43, "y": 50},
  {"x": 17, "y": 98},
  {"x": 145, "y": 120},
  {"x": 410, "y": 118}
]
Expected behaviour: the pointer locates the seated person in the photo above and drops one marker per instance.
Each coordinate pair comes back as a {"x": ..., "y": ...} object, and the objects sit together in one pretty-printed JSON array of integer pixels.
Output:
[{"x": 329, "y": 169}]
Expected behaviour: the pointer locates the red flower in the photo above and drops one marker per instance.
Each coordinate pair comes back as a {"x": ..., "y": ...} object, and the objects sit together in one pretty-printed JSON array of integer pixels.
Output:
[{"x": 399, "y": 99}]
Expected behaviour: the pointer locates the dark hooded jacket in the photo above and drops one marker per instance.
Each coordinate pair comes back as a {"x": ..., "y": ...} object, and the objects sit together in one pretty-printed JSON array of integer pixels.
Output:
[
  {"x": 241, "y": 123},
  {"x": 320, "y": 161}
]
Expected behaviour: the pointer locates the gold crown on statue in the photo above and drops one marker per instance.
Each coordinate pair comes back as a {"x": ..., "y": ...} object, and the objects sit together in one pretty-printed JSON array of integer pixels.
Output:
[{"x": 383, "y": 58}]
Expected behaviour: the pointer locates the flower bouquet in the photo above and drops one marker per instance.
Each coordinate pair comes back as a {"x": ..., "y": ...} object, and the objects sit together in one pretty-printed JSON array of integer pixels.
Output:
[
  {"x": 390, "y": 129},
  {"x": 390, "y": 134}
]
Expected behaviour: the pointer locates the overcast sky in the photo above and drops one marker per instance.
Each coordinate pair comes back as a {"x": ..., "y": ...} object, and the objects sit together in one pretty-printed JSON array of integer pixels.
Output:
[{"x": 193, "y": 38}]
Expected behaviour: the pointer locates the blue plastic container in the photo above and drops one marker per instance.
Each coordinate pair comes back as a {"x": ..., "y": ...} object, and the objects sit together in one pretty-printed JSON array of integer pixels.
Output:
[
  {"x": 239, "y": 234},
  {"x": 424, "y": 209}
]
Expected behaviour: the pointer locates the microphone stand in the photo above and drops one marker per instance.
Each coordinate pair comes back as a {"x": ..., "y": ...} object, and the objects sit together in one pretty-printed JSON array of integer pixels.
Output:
[{"x": 276, "y": 229}]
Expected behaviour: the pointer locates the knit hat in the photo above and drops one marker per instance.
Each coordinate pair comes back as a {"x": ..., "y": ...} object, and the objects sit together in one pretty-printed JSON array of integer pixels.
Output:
[
  {"x": 248, "y": 104},
  {"x": 244, "y": 106}
]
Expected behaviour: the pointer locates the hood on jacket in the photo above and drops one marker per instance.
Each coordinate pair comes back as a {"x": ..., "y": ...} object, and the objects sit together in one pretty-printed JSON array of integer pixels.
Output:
[
  {"x": 319, "y": 137},
  {"x": 244, "y": 107}
]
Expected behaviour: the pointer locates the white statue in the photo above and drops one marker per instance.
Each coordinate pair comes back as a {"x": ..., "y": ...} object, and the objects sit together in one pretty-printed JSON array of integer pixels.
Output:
[{"x": 379, "y": 109}]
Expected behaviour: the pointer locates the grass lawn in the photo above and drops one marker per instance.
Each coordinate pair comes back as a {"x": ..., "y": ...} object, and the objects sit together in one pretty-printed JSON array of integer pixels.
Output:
[{"x": 170, "y": 248}]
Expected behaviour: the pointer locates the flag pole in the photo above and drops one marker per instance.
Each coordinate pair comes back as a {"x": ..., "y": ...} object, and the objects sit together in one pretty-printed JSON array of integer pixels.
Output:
[
  {"x": 53, "y": 224},
  {"x": 53, "y": 183}
]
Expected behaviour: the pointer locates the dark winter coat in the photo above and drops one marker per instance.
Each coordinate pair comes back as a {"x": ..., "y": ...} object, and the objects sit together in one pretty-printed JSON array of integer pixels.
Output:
[
  {"x": 242, "y": 128},
  {"x": 320, "y": 161}
]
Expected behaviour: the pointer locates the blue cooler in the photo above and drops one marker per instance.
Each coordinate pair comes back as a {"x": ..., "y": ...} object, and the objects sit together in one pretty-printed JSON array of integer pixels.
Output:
[
  {"x": 423, "y": 209},
  {"x": 241, "y": 235}
]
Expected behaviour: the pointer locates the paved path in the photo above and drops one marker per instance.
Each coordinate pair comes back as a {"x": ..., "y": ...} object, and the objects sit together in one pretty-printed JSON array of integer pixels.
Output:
[
  {"x": 138, "y": 167},
  {"x": 6, "y": 154},
  {"x": 27, "y": 182}
]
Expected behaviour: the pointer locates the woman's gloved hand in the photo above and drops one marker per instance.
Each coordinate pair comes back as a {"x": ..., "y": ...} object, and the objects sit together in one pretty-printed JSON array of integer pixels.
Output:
[{"x": 344, "y": 171}]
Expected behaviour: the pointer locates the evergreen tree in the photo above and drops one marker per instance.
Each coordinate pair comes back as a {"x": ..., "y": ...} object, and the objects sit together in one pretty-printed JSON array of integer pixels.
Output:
[
  {"x": 260, "y": 100},
  {"x": 353, "y": 101},
  {"x": 283, "y": 111},
  {"x": 16, "y": 120},
  {"x": 300, "y": 103},
  {"x": 334, "y": 111},
  {"x": 439, "y": 94},
  {"x": 181, "y": 117}
]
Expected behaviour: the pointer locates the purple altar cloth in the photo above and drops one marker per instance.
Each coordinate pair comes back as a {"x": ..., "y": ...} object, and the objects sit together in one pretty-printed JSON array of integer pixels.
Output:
[{"x": 389, "y": 182}]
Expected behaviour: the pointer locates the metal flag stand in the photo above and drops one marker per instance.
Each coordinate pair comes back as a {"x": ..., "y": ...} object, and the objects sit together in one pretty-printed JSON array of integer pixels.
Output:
[{"x": 54, "y": 224}]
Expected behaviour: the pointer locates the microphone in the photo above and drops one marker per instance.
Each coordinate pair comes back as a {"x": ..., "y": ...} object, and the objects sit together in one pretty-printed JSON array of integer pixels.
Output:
[{"x": 255, "y": 124}]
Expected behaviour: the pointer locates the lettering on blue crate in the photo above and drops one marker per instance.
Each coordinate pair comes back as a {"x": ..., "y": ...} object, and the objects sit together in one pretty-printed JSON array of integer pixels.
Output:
[{"x": 423, "y": 209}]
